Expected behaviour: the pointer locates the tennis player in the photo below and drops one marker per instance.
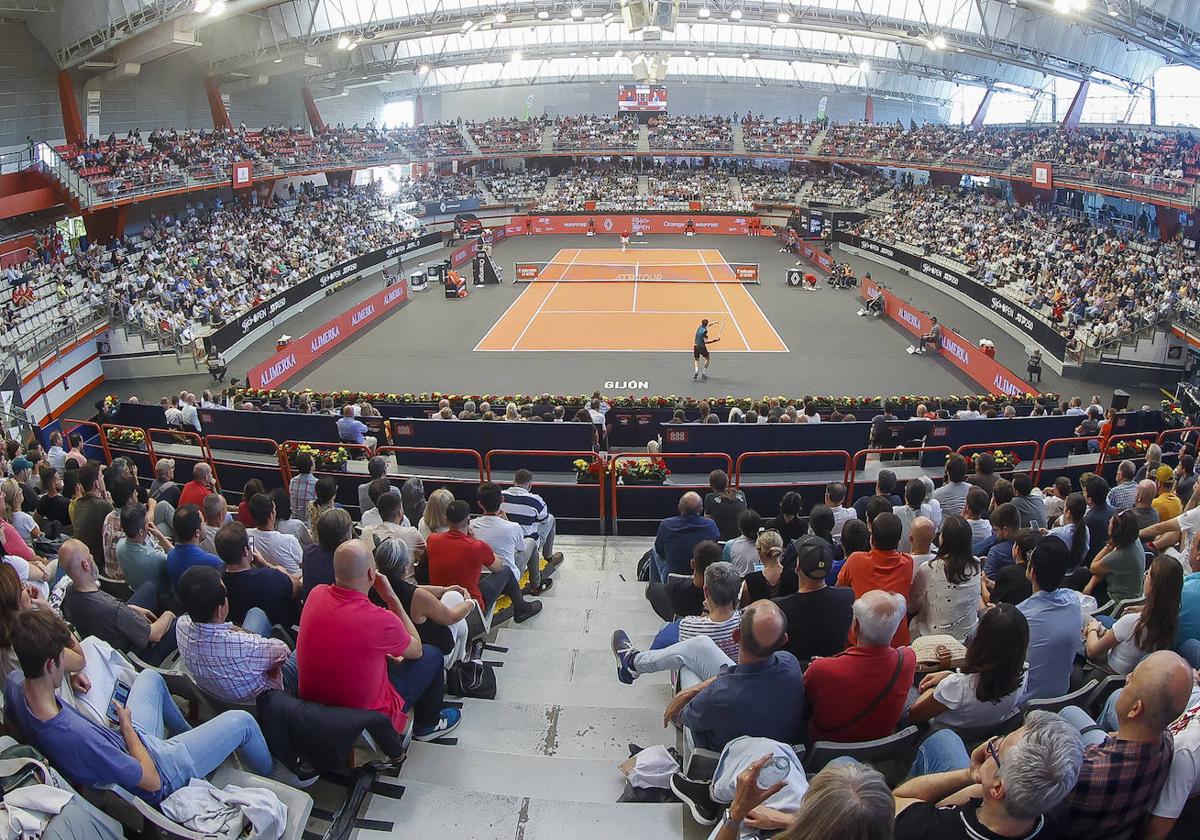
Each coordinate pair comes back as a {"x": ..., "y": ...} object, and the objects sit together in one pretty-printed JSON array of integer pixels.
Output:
[
  {"x": 624, "y": 241},
  {"x": 701, "y": 349}
]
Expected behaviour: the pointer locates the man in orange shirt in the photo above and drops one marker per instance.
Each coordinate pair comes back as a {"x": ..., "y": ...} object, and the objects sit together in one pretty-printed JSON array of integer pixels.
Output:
[{"x": 883, "y": 567}]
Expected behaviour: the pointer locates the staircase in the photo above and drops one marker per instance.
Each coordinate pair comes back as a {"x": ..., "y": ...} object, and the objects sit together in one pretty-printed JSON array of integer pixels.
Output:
[
  {"x": 471, "y": 145},
  {"x": 551, "y": 187},
  {"x": 643, "y": 186},
  {"x": 643, "y": 143},
  {"x": 814, "y": 148},
  {"x": 58, "y": 170},
  {"x": 540, "y": 761},
  {"x": 739, "y": 139},
  {"x": 735, "y": 188},
  {"x": 882, "y": 203},
  {"x": 488, "y": 197},
  {"x": 802, "y": 193},
  {"x": 549, "y": 135}
]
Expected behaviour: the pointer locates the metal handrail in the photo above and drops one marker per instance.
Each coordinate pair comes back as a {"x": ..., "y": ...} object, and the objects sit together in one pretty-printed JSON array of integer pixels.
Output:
[
  {"x": 1055, "y": 441},
  {"x": 781, "y": 453},
  {"x": 1112, "y": 440},
  {"x": 611, "y": 467},
  {"x": 862, "y": 454},
  {"x": 467, "y": 453},
  {"x": 547, "y": 453}
]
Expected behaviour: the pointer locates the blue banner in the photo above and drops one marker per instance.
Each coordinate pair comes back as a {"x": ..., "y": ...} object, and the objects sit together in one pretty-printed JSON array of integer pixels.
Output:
[{"x": 450, "y": 207}]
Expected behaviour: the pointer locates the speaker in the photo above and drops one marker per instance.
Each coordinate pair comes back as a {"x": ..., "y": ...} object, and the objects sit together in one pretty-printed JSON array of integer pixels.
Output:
[
  {"x": 1120, "y": 400},
  {"x": 635, "y": 14},
  {"x": 664, "y": 14},
  {"x": 794, "y": 277}
]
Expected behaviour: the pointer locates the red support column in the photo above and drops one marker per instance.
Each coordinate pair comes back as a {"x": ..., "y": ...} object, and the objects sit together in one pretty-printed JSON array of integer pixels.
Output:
[
  {"x": 981, "y": 111},
  {"x": 72, "y": 125},
  {"x": 1071, "y": 120},
  {"x": 310, "y": 107},
  {"x": 216, "y": 105},
  {"x": 869, "y": 113},
  {"x": 103, "y": 226},
  {"x": 419, "y": 110}
]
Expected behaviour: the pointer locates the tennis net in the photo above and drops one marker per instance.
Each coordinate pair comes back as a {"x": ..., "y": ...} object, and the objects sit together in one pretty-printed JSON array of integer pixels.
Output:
[{"x": 635, "y": 272}]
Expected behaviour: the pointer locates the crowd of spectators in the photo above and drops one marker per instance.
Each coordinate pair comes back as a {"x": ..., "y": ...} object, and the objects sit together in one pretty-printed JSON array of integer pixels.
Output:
[
  {"x": 950, "y": 609},
  {"x": 441, "y": 188},
  {"x": 849, "y": 189},
  {"x": 501, "y": 135},
  {"x": 678, "y": 188},
  {"x": 593, "y": 132},
  {"x": 779, "y": 136},
  {"x": 1096, "y": 284},
  {"x": 326, "y": 624},
  {"x": 613, "y": 187},
  {"x": 691, "y": 132},
  {"x": 513, "y": 185},
  {"x": 767, "y": 185}
]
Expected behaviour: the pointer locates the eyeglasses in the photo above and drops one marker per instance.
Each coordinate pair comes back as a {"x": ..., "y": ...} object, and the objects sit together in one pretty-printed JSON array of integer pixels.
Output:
[{"x": 993, "y": 751}]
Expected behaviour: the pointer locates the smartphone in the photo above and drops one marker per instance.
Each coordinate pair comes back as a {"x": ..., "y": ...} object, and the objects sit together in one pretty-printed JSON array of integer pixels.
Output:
[{"x": 120, "y": 695}]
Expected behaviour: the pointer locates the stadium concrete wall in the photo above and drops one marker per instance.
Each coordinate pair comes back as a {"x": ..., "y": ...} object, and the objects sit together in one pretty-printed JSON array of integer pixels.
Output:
[{"x": 28, "y": 94}]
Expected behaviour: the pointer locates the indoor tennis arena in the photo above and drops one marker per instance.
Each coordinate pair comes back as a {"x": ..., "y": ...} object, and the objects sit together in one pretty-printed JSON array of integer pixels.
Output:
[{"x": 540, "y": 420}]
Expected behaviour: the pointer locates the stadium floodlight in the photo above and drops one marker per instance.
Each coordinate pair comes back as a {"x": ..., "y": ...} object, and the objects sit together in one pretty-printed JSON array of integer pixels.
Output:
[
  {"x": 516, "y": 56},
  {"x": 937, "y": 42},
  {"x": 703, "y": 13},
  {"x": 577, "y": 12},
  {"x": 1066, "y": 7},
  {"x": 864, "y": 66},
  {"x": 467, "y": 26},
  {"x": 543, "y": 14},
  {"x": 279, "y": 61},
  {"x": 343, "y": 42},
  {"x": 735, "y": 15},
  {"x": 424, "y": 68},
  {"x": 607, "y": 17},
  {"x": 745, "y": 56},
  {"x": 619, "y": 54},
  {"x": 500, "y": 17},
  {"x": 783, "y": 17}
]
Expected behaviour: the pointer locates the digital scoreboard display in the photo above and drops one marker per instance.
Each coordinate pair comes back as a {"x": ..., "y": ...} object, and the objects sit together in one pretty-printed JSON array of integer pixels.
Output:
[{"x": 635, "y": 98}]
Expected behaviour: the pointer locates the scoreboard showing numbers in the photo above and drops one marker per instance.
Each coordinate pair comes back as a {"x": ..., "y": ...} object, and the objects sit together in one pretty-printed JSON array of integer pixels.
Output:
[{"x": 635, "y": 98}]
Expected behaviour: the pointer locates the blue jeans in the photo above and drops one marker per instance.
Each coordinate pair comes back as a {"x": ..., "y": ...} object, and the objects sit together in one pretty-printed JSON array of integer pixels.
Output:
[
  {"x": 1093, "y": 732},
  {"x": 658, "y": 567},
  {"x": 182, "y": 753},
  {"x": 422, "y": 684},
  {"x": 940, "y": 752},
  {"x": 1190, "y": 650},
  {"x": 256, "y": 622},
  {"x": 666, "y": 637}
]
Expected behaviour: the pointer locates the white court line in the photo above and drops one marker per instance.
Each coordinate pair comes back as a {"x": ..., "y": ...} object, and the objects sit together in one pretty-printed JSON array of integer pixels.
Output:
[
  {"x": 668, "y": 351},
  {"x": 723, "y": 300},
  {"x": 636, "y": 266},
  {"x": 542, "y": 305},
  {"x": 705, "y": 312}
]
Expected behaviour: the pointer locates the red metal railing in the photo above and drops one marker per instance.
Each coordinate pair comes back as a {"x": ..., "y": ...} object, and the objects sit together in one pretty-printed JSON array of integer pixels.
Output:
[
  {"x": 779, "y": 453},
  {"x": 546, "y": 453},
  {"x": 1175, "y": 435},
  {"x": 1054, "y": 442},
  {"x": 665, "y": 456},
  {"x": 85, "y": 428},
  {"x": 1113, "y": 440},
  {"x": 214, "y": 443},
  {"x": 469, "y": 454},
  {"x": 906, "y": 452},
  {"x": 1035, "y": 454},
  {"x": 285, "y": 466}
]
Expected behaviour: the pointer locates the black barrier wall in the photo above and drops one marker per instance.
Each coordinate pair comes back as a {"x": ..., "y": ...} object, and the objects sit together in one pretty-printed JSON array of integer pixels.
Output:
[{"x": 1016, "y": 314}]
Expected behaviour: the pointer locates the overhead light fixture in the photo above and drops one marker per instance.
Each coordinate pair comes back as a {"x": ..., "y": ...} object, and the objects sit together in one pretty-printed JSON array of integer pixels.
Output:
[
  {"x": 937, "y": 42},
  {"x": 516, "y": 56},
  {"x": 543, "y": 14},
  {"x": 572, "y": 54},
  {"x": 217, "y": 9},
  {"x": 201, "y": 6},
  {"x": 736, "y": 14},
  {"x": 467, "y": 26},
  {"x": 687, "y": 52},
  {"x": 783, "y": 17},
  {"x": 703, "y": 13},
  {"x": 607, "y": 17},
  {"x": 745, "y": 56},
  {"x": 1066, "y": 7},
  {"x": 279, "y": 61},
  {"x": 500, "y": 17},
  {"x": 343, "y": 42},
  {"x": 619, "y": 54},
  {"x": 577, "y": 12},
  {"x": 864, "y": 66},
  {"x": 710, "y": 53},
  {"x": 424, "y": 68}
]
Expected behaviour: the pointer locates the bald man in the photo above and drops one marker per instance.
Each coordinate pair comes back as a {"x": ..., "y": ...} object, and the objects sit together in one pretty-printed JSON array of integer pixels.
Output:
[
  {"x": 920, "y": 537},
  {"x": 1143, "y": 503},
  {"x": 678, "y": 535},
  {"x": 132, "y": 626},
  {"x": 196, "y": 490},
  {"x": 1124, "y": 771},
  {"x": 352, "y": 653},
  {"x": 762, "y": 695}
]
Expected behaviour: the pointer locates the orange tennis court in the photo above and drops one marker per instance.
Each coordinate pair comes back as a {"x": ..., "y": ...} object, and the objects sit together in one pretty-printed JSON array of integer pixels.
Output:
[{"x": 646, "y": 300}]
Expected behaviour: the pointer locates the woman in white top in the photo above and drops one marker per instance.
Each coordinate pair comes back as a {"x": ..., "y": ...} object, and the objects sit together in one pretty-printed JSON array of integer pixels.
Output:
[
  {"x": 914, "y": 505},
  {"x": 740, "y": 552},
  {"x": 284, "y": 523},
  {"x": 946, "y": 591},
  {"x": 433, "y": 521},
  {"x": 19, "y": 519},
  {"x": 1071, "y": 529},
  {"x": 985, "y": 691},
  {"x": 1137, "y": 634}
]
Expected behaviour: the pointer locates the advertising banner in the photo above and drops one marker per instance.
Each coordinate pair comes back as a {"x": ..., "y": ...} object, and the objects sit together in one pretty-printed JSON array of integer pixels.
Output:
[
  {"x": 463, "y": 254},
  {"x": 527, "y": 271},
  {"x": 991, "y": 376},
  {"x": 1043, "y": 176},
  {"x": 248, "y": 321},
  {"x": 305, "y": 350},
  {"x": 1014, "y": 313},
  {"x": 648, "y": 223},
  {"x": 454, "y": 205},
  {"x": 243, "y": 174}
]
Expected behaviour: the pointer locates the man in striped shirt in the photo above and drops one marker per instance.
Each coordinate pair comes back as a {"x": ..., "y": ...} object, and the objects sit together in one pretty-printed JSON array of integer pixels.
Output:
[{"x": 529, "y": 510}]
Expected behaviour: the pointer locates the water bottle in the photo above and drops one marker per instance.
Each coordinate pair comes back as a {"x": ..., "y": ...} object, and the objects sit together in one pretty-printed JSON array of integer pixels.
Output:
[{"x": 774, "y": 771}]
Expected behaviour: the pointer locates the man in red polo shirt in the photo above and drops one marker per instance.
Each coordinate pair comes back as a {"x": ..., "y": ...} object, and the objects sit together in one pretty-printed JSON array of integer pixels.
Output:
[
  {"x": 883, "y": 567},
  {"x": 199, "y": 488},
  {"x": 858, "y": 694},
  {"x": 352, "y": 653},
  {"x": 457, "y": 559}
]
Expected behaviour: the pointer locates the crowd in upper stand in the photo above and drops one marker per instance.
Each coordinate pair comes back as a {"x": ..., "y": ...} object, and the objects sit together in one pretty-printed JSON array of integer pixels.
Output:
[
  {"x": 778, "y": 135},
  {"x": 1093, "y": 282},
  {"x": 207, "y": 265},
  {"x": 501, "y": 135},
  {"x": 691, "y": 132},
  {"x": 515, "y": 184},
  {"x": 960, "y": 609},
  {"x": 591, "y": 132},
  {"x": 849, "y": 189}
]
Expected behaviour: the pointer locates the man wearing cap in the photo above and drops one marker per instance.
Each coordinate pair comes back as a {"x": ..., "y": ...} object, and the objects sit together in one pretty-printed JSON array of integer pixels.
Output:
[
  {"x": 164, "y": 488},
  {"x": 1166, "y": 502},
  {"x": 818, "y": 616}
]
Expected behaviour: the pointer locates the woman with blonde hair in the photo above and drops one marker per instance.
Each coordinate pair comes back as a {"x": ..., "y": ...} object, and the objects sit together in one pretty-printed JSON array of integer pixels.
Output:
[
  {"x": 772, "y": 580},
  {"x": 15, "y": 598},
  {"x": 22, "y": 521},
  {"x": 434, "y": 519},
  {"x": 510, "y": 412}
]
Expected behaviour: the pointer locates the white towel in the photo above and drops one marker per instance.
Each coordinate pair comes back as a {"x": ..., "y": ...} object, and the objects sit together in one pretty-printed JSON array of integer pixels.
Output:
[
  {"x": 29, "y": 808},
  {"x": 224, "y": 812}
]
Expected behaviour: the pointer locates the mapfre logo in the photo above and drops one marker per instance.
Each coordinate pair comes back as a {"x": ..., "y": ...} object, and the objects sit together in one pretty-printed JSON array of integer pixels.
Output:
[{"x": 276, "y": 370}]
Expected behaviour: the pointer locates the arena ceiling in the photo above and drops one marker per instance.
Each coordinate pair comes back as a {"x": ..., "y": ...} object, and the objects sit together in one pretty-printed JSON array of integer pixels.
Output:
[{"x": 907, "y": 49}]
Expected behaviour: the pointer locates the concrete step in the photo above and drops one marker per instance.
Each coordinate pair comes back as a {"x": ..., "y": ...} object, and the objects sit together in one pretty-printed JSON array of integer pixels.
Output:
[
  {"x": 643, "y": 142},
  {"x": 597, "y": 618},
  {"x": 594, "y": 729},
  {"x": 549, "y": 134},
  {"x": 427, "y": 811},
  {"x": 534, "y": 662},
  {"x": 640, "y": 695},
  {"x": 515, "y": 638}
]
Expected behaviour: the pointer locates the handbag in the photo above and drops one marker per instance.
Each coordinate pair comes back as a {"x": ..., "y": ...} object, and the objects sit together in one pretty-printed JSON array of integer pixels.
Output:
[{"x": 471, "y": 679}]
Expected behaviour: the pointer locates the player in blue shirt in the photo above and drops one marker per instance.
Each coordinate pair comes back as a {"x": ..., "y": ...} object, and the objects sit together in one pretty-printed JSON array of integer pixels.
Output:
[{"x": 701, "y": 349}]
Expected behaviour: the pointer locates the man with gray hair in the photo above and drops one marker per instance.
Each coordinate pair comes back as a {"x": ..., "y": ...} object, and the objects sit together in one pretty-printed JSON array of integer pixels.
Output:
[
  {"x": 1122, "y": 496},
  {"x": 678, "y": 535},
  {"x": 376, "y": 469},
  {"x": 858, "y": 694},
  {"x": 1004, "y": 789},
  {"x": 705, "y": 643},
  {"x": 761, "y": 696}
]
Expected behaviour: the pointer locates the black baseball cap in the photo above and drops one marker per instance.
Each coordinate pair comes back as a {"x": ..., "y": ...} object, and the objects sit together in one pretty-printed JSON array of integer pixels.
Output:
[{"x": 814, "y": 556}]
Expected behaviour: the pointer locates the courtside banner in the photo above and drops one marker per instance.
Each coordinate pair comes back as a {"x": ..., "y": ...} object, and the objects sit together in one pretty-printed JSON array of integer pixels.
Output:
[
  {"x": 248, "y": 321},
  {"x": 990, "y": 375},
  {"x": 313, "y": 345},
  {"x": 464, "y": 254},
  {"x": 1014, "y": 313},
  {"x": 647, "y": 223},
  {"x": 528, "y": 271},
  {"x": 746, "y": 272}
]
